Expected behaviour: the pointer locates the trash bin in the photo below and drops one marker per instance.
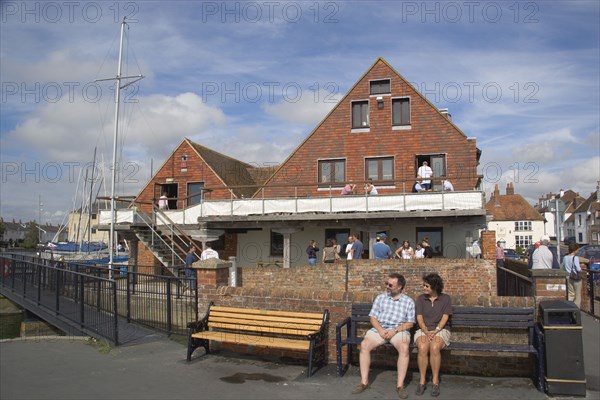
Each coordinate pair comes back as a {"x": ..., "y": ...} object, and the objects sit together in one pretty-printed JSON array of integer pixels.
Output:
[{"x": 563, "y": 348}]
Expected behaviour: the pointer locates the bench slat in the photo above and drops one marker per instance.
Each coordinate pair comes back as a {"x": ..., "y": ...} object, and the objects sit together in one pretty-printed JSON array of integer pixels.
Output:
[
  {"x": 292, "y": 314},
  {"x": 262, "y": 341},
  {"x": 491, "y": 310},
  {"x": 487, "y": 347},
  {"x": 274, "y": 324},
  {"x": 259, "y": 317},
  {"x": 499, "y": 324},
  {"x": 502, "y": 317},
  {"x": 263, "y": 329}
]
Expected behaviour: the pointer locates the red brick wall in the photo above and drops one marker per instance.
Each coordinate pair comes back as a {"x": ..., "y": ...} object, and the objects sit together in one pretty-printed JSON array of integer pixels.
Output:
[
  {"x": 313, "y": 289},
  {"x": 488, "y": 245},
  {"x": 430, "y": 133}
]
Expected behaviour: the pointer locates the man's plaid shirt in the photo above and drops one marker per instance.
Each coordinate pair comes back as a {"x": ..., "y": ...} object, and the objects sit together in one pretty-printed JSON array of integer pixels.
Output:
[{"x": 392, "y": 313}]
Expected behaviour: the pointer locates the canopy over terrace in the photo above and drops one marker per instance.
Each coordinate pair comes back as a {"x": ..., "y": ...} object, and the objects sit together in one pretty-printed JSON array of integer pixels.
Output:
[{"x": 290, "y": 215}]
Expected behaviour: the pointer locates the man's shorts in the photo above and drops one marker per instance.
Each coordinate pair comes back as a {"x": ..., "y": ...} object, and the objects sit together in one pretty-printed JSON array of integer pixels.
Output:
[
  {"x": 397, "y": 338},
  {"x": 444, "y": 334}
]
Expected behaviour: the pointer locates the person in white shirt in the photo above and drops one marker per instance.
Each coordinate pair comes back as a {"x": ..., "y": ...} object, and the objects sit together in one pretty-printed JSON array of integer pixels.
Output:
[
  {"x": 208, "y": 253},
  {"x": 424, "y": 173},
  {"x": 448, "y": 187},
  {"x": 542, "y": 257},
  {"x": 163, "y": 202},
  {"x": 419, "y": 251}
]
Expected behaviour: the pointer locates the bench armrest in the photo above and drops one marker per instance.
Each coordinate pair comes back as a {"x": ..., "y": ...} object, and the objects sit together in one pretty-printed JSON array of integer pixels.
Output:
[{"x": 199, "y": 326}]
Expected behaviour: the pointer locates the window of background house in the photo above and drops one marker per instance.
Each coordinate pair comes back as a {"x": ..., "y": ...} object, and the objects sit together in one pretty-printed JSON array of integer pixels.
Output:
[
  {"x": 332, "y": 171},
  {"x": 276, "y": 244},
  {"x": 380, "y": 86},
  {"x": 380, "y": 169},
  {"x": 522, "y": 225},
  {"x": 400, "y": 112},
  {"x": 523, "y": 241},
  {"x": 360, "y": 114},
  {"x": 195, "y": 194}
]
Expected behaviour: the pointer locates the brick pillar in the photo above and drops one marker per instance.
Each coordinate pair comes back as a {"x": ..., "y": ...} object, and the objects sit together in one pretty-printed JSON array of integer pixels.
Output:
[
  {"x": 548, "y": 284},
  {"x": 488, "y": 245},
  {"x": 212, "y": 273}
]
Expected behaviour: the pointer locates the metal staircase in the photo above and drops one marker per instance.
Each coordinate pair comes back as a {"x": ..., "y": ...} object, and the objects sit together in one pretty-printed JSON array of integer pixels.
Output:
[{"x": 164, "y": 239}]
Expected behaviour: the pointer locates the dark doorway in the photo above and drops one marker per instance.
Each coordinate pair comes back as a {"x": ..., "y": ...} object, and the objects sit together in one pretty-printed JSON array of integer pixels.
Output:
[{"x": 170, "y": 189}]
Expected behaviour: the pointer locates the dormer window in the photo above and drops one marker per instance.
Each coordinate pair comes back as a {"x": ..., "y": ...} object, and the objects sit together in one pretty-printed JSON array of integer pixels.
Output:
[{"x": 379, "y": 86}]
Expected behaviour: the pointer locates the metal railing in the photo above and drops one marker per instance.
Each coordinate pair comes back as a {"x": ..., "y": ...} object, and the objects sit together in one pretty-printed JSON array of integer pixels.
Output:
[
  {"x": 511, "y": 283},
  {"x": 86, "y": 300},
  {"x": 84, "y": 294}
]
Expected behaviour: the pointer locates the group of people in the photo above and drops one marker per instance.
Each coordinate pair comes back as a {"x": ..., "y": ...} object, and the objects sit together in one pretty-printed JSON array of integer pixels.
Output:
[
  {"x": 332, "y": 251},
  {"x": 192, "y": 257},
  {"x": 381, "y": 251},
  {"x": 545, "y": 256},
  {"x": 350, "y": 188},
  {"x": 393, "y": 315}
]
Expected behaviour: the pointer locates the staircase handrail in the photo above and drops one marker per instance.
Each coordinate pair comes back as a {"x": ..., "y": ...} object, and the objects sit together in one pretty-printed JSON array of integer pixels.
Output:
[
  {"x": 148, "y": 222},
  {"x": 173, "y": 227}
]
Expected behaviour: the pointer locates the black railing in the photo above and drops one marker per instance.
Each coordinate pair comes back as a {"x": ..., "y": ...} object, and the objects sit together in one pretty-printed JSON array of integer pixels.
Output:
[
  {"x": 593, "y": 291},
  {"x": 511, "y": 283},
  {"x": 154, "y": 298},
  {"x": 85, "y": 300}
]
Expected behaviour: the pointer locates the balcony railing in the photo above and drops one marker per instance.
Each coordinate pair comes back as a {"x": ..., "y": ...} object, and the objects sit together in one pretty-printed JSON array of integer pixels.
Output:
[{"x": 429, "y": 201}]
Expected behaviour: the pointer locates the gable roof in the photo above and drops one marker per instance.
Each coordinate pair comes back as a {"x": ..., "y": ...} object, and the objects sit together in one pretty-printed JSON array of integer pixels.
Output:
[
  {"x": 512, "y": 207},
  {"x": 342, "y": 101},
  {"x": 235, "y": 174},
  {"x": 585, "y": 206}
]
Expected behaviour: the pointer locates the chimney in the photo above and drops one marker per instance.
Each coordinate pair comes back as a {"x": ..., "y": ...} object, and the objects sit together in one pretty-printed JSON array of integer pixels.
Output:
[
  {"x": 496, "y": 191},
  {"x": 445, "y": 113},
  {"x": 510, "y": 190},
  {"x": 562, "y": 193},
  {"x": 598, "y": 191}
]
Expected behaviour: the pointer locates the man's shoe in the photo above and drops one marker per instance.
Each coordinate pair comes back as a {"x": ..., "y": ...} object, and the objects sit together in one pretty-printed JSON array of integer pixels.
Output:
[
  {"x": 360, "y": 388},
  {"x": 420, "y": 390},
  {"x": 435, "y": 390},
  {"x": 402, "y": 392}
]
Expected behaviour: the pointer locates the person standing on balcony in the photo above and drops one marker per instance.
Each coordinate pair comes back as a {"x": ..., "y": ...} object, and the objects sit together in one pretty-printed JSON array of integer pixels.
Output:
[
  {"x": 424, "y": 173},
  {"x": 348, "y": 189},
  {"x": 448, "y": 187},
  {"x": 190, "y": 272},
  {"x": 208, "y": 252},
  {"x": 370, "y": 188},
  {"x": 311, "y": 250},
  {"x": 163, "y": 202}
]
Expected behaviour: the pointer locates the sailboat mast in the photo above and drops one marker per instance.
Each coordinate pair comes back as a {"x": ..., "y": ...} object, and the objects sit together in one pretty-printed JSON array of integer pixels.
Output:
[
  {"x": 113, "y": 211},
  {"x": 91, "y": 204}
]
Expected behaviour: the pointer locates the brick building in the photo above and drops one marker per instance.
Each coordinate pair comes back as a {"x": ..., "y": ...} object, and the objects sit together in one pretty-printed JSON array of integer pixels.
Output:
[{"x": 382, "y": 129}]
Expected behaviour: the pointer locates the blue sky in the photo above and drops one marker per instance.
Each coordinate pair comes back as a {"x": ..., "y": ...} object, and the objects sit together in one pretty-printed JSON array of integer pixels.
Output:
[{"x": 252, "y": 79}]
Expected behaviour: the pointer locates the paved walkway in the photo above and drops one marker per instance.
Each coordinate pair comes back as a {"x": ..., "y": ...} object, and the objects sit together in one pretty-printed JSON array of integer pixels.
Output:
[{"x": 155, "y": 368}]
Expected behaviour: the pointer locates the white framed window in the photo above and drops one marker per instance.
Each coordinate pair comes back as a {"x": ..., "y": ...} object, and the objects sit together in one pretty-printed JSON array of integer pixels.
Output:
[
  {"x": 522, "y": 226},
  {"x": 523, "y": 241}
]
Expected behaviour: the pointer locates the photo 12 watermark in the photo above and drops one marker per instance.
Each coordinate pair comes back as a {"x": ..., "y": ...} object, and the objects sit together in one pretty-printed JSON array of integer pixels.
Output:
[
  {"x": 54, "y": 92},
  {"x": 269, "y": 12},
  {"x": 471, "y": 12},
  {"x": 65, "y": 171},
  {"x": 254, "y": 92},
  {"x": 53, "y": 12},
  {"x": 490, "y": 92}
]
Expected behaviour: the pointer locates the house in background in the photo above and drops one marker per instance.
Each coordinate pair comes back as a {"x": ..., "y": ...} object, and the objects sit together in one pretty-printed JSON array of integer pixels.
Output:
[
  {"x": 568, "y": 201},
  {"x": 383, "y": 129},
  {"x": 515, "y": 221},
  {"x": 584, "y": 223}
]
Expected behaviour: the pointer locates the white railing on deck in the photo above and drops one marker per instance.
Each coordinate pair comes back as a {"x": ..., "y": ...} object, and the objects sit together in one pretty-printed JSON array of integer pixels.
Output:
[{"x": 434, "y": 201}]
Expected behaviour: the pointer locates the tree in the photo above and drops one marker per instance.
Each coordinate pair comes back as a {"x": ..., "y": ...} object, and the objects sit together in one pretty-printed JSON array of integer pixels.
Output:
[
  {"x": 31, "y": 236},
  {"x": 2, "y": 227}
]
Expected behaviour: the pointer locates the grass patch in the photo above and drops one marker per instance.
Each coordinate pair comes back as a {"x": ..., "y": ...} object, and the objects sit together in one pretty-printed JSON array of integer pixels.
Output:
[{"x": 102, "y": 346}]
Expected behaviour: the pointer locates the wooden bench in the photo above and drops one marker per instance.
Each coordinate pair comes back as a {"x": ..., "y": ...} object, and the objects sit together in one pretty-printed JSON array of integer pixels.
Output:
[
  {"x": 265, "y": 328},
  {"x": 462, "y": 317}
]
